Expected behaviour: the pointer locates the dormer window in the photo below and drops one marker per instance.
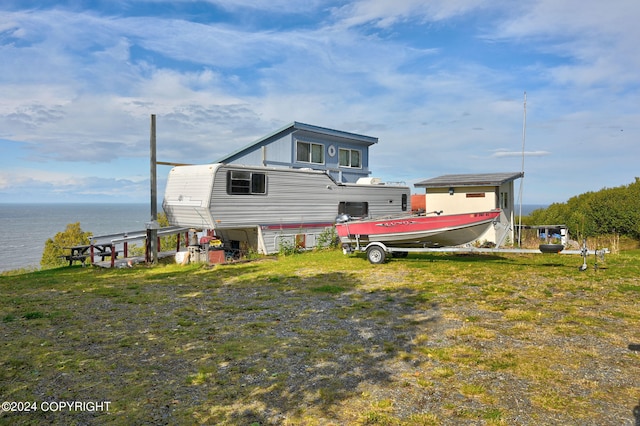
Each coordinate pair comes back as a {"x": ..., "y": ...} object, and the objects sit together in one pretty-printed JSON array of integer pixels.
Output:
[
  {"x": 350, "y": 158},
  {"x": 307, "y": 152}
]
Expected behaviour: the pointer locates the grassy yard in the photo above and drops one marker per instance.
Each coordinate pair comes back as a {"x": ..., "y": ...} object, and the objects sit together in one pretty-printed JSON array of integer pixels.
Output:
[{"x": 322, "y": 338}]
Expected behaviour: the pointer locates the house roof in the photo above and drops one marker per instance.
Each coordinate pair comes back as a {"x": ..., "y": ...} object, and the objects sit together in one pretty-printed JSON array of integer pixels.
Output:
[
  {"x": 290, "y": 128},
  {"x": 477, "y": 179}
]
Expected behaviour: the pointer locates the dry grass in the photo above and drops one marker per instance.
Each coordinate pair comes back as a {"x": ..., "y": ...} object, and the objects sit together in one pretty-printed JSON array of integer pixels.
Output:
[{"x": 321, "y": 338}]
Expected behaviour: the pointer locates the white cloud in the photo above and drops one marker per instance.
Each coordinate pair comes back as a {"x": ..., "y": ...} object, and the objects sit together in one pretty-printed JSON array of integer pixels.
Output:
[
  {"x": 22, "y": 176},
  {"x": 600, "y": 38},
  {"x": 383, "y": 13},
  {"x": 274, "y": 6},
  {"x": 505, "y": 153},
  {"x": 51, "y": 186}
]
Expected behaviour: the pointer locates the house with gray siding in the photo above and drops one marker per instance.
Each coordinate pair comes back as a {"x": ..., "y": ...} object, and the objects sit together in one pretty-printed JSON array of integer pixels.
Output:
[{"x": 343, "y": 155}]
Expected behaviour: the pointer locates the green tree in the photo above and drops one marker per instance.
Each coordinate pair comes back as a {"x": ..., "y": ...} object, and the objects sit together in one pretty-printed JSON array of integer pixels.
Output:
[
  {"x": 59, "y": 245},
  {"x": 169, "y": 242}
]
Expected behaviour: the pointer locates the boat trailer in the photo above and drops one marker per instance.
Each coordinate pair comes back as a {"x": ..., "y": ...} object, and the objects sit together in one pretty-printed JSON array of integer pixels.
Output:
[{"x": 378, "y": 252}]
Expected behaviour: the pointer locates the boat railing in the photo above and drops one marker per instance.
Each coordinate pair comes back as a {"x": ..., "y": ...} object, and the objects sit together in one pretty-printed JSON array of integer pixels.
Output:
[
  {"x": 346, "y": 218},
  {"x": 423, "y": 213}
]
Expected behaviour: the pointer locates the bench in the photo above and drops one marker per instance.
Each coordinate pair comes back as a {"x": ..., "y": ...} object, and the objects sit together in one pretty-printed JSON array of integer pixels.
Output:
[
  {"x": 103, "y": 254},
  {"x": 74, "y": 258},
  {"x": 80, "y": 253},
  {"x": 82, "y": 258}
]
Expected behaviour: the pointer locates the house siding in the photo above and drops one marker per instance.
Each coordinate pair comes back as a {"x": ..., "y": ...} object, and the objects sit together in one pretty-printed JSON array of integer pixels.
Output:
[
  {"x": 462, "y": 200},
  {"x": 297, "y": 204}
]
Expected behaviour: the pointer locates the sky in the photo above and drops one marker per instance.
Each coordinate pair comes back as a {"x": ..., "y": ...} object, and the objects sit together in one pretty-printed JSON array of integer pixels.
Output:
[{"x": 441, "y": 83}]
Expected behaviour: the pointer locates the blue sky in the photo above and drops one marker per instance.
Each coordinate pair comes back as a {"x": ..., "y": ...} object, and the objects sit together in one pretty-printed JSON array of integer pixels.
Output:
[{"x": 441, "y": 83}]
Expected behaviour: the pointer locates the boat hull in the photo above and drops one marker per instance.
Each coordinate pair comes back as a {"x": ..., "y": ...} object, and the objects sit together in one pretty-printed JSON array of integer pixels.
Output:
[{"x": 419, "y": 231}]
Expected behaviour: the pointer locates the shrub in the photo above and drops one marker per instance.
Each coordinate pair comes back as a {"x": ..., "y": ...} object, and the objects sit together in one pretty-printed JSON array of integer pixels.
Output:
[
  {"x": 59, "y": 245},
  {"x": 327, "y": 238},
  {"x": 608, "y": 211}
]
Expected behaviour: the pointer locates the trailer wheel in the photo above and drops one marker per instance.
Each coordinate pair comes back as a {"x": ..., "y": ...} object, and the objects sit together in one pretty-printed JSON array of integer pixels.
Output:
[{"x": 376, "y": 255}]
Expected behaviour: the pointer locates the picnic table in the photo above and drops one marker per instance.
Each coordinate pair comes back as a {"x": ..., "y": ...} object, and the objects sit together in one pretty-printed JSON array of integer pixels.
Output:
[
  {"x": 105, "y": 245},
  {"x": 80, "y": 253}
]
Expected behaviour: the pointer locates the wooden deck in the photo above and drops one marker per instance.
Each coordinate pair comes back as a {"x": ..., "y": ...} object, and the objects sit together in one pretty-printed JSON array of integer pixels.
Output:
[
  {"x": 129, "y": 262},
  {"x": 112, "y": 245}
]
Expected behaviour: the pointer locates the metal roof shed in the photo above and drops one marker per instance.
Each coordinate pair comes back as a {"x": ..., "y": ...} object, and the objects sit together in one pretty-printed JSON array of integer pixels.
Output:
[
  {"x": 460, "y": 180},
  {"x": 466, "y": 193}
]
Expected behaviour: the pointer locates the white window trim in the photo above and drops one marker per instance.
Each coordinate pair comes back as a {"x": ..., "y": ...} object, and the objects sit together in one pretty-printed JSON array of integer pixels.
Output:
[
  {"x": 349, "y": 166},
  {"x": 311, "y": 144}
]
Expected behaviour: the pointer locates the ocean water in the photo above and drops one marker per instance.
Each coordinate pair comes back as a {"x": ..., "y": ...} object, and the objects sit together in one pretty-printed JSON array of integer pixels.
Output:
[{"x": 26, "y": 227}]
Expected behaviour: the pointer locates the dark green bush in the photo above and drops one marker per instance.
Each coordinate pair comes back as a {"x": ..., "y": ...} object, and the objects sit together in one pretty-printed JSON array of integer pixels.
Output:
[{"x": 608, "y": 211}]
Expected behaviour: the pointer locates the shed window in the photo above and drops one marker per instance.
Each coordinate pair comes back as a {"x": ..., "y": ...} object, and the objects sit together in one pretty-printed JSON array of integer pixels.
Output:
[
  {"x": 349, "y": 158},
  {"x": 307, "y": 152},
  {"x": 504, "y": 200},
  {"x": 241, "y": 182}
]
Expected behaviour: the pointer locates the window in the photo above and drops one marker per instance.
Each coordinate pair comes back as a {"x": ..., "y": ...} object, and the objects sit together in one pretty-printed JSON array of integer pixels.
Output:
[
  {"x": 349, "y": 158},
  {"x": 354, "y": 209},
  {"x": 307, "y": 152},
  {"x": 241, "y": 182},
  {"x": 504, "y": 200},
  {"x": 404, "y": 202}
]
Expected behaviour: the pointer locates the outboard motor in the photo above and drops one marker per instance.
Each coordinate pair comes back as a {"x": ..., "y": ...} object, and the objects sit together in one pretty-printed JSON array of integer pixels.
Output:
[{"x": 342, "y": 218}]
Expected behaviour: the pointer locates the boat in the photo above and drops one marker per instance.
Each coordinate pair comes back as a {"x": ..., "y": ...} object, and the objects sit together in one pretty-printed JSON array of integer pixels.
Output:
[{"x": 429, "y": 231}]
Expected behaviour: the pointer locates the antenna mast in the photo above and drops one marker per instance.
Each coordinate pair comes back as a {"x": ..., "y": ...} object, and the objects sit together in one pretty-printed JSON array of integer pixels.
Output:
[{"x": 524, "y": 133}]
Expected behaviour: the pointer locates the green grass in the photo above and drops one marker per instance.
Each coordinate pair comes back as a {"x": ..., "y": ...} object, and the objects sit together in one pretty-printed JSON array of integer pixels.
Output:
[{"x": 322, "y": 338}]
